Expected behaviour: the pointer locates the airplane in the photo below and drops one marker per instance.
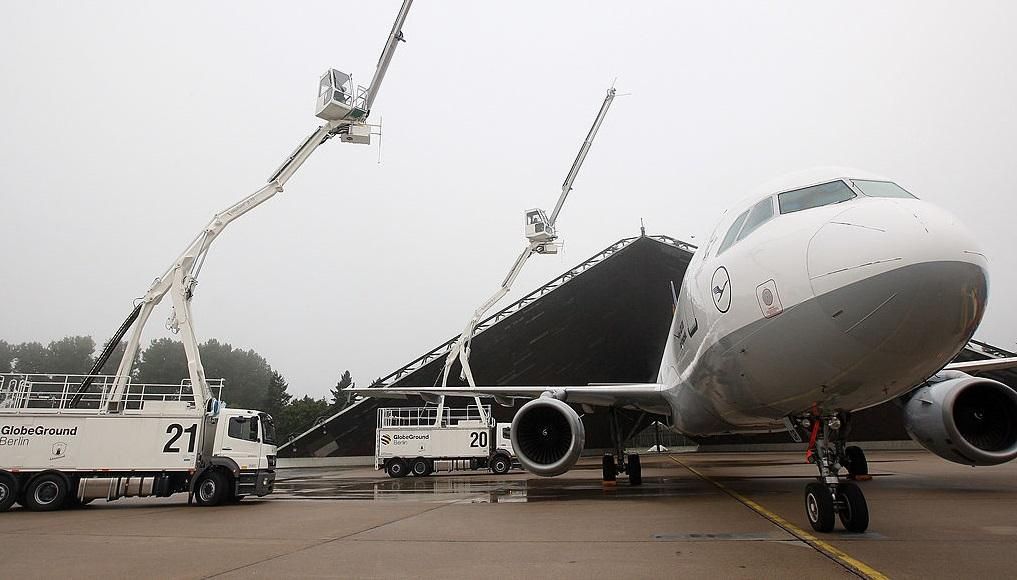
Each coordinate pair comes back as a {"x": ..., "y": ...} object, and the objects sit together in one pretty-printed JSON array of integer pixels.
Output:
[{"x": 835, "y": 291}]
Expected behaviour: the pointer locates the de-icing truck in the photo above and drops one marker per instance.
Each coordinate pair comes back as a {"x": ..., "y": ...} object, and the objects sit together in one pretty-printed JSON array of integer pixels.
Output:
[
  {"x": 144, "y": 440},
  {"x": 67, "y": 440}
]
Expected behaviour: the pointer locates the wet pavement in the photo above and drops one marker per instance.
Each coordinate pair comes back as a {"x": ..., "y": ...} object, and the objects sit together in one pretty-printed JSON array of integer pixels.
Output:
[{"x": 696, "y": 515}]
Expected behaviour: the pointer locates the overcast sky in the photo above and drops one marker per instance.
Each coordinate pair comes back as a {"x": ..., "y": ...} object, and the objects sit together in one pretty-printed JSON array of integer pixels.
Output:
[{"x": 124, "y": 126}]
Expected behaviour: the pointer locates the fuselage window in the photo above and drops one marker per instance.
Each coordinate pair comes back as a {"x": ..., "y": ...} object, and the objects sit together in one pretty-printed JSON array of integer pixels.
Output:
[
  {"x": 881, "y": 189},
  {"x": 732, "y": 232},
  {"x": 814, "y": 196},
  {"x": 758, "y": 215}
]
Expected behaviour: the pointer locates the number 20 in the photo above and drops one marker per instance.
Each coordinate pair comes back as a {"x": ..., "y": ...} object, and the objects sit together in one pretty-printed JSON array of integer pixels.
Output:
[{"x": 479, "y": 439}]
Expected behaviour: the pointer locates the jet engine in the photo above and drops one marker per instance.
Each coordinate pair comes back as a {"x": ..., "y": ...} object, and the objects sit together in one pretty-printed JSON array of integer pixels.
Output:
[
  {"x": 547, "y": 436},
  {"x": 964, "y": 419}
]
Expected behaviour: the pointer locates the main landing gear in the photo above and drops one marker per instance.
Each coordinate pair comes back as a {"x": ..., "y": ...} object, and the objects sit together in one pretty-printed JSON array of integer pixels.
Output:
[
  {"x": 619, "y": 462},
  {"x": 829, "y": 495}
]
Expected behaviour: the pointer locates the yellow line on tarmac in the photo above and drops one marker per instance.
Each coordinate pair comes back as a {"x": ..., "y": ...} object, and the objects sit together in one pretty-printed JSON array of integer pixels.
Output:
[{"x": 856, "y": 566}]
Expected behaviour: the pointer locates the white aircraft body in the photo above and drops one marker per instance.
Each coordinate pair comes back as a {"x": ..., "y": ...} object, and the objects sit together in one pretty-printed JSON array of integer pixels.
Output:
[{"x": 834, "y": 292}]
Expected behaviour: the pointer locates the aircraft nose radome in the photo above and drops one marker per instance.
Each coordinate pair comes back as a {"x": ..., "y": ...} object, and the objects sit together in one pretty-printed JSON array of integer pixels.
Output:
[
  {"x": 904, "y": 279},
  {"x": 942, "y": 236},
  {"x": 862, "y": 241},
  {"x": 886, "y": 234}
]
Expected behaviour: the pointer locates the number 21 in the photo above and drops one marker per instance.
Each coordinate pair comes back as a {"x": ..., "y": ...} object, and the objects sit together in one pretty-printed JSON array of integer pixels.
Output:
[{"x": 176, "y": 429}]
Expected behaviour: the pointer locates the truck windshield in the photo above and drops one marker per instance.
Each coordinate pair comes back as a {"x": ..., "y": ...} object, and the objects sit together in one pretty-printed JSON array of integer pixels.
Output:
[{"x": 268, "y": 429}]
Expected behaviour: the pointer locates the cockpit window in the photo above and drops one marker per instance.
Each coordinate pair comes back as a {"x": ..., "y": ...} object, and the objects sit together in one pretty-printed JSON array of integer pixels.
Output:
[
  {"x": 732, "y": 232},
  {"x": 749, "y": 221},
  {"x": 814, "y": 196},
  {"x": 758, "y": 215},
  {"x": 881, "y": 189}
]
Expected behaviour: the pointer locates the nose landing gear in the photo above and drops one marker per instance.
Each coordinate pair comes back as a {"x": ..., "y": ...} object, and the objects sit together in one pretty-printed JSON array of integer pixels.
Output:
[{"x": 829, "y": 496}]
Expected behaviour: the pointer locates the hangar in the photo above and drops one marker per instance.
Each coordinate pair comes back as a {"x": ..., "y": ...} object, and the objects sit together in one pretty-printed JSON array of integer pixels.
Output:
[{"x": 603, "y": 321}]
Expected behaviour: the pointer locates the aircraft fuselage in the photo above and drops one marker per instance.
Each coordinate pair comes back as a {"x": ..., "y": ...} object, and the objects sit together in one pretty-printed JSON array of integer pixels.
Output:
[{"x": 840, "y": 293}]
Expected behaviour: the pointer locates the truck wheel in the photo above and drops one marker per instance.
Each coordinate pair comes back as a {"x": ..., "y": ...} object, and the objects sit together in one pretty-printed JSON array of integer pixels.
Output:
[
  {"x": 396, "y": 468},
  {"x": 46, "y": 493},
  {"x": 500, "y": 465},
  {"x": 211, "y": 488},
  {"x": 420, "y": 467},
  {"x": 8, "y": 491}
]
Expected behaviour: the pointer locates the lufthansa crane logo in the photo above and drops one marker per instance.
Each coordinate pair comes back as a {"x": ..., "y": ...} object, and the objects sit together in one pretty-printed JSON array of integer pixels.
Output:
[{"x": 721, "y": 289}]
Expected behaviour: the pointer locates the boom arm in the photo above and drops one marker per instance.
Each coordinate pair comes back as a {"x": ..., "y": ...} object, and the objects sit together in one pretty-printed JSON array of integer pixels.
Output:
[
  {"x": 566, "y": 187},
  {"x": 181, "y": 277},
  {"x": 394, "y": 38},
  {"x": 461, "y": 348}
]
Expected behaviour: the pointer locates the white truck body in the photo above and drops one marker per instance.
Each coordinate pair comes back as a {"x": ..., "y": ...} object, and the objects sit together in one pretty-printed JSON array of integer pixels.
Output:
[
  {"x": 442, "y": 439},
  {"x": 159, "y": 442}
]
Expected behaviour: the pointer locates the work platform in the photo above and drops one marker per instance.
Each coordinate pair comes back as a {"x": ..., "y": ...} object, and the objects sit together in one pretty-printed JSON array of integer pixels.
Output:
[{"x": 604, "y": 321}]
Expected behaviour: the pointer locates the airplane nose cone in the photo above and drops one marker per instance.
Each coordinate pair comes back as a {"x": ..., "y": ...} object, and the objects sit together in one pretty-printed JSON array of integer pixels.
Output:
[
  {"x": 900, "y": 277},
  {"x": 882, "y": 235}
]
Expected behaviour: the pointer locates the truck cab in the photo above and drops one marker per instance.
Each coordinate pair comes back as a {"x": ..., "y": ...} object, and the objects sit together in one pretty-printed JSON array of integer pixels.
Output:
[{"x": 244, "y": 444}]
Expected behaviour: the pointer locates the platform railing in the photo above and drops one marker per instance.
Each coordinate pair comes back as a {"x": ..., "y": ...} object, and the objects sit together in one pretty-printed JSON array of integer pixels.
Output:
[
  {"x": 428, "y": 416},
  {"x": 53, "y": 393}
]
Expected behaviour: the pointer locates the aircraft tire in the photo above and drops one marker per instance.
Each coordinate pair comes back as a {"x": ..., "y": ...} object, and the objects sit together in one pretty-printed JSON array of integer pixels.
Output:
[
  {"x": 856, "y": 462},
  {"x": 819, "y": 507},
  {"x": 635, "y": 470},
  {"x": 610, "y": 469},
  {"x": 855, "y": 513}
]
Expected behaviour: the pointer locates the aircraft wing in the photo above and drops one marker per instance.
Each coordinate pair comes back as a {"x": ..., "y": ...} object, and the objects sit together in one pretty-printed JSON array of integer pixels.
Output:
[
  {"x": 992, "y": 364},
  {"x": 646, "y": 396}
]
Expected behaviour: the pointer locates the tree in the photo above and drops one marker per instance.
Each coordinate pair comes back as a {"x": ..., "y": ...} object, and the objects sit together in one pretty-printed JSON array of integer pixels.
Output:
[
  {"x": 341, "y": 400},
  {"x": 6, "y": 357},
  {"x": 163, "y": 363},
  {"x": 276, "y": 398},
  {"x": 246, "y": 374},
  {"x": 31, "y": 357},
  {"x": 70, "y": 355},
  {"x": 300, "y": 416}
]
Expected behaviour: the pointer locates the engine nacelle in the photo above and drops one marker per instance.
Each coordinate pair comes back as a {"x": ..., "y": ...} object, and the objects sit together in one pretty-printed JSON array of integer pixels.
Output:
[
  {"x": 547, "y": 436},
  {"x": 964, "y": 419}
]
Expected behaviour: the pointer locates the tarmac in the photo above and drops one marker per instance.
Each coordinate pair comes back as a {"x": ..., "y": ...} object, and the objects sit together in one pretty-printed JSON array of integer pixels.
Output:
[{"x": 697, "y": 515}]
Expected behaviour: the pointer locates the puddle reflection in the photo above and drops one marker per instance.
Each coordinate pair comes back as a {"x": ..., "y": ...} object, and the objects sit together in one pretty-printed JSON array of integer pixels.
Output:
[{"x": 453, "y": 489}]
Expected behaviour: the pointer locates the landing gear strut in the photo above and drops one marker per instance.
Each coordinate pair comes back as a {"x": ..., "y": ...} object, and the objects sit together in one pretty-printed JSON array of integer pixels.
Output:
[
  {"x": 619, "y": 462},
  {"x": 829, "y": 496}
]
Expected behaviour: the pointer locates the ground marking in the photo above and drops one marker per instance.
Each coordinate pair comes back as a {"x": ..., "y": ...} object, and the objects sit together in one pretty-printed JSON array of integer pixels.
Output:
[{"x": 851, "y": 564}]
